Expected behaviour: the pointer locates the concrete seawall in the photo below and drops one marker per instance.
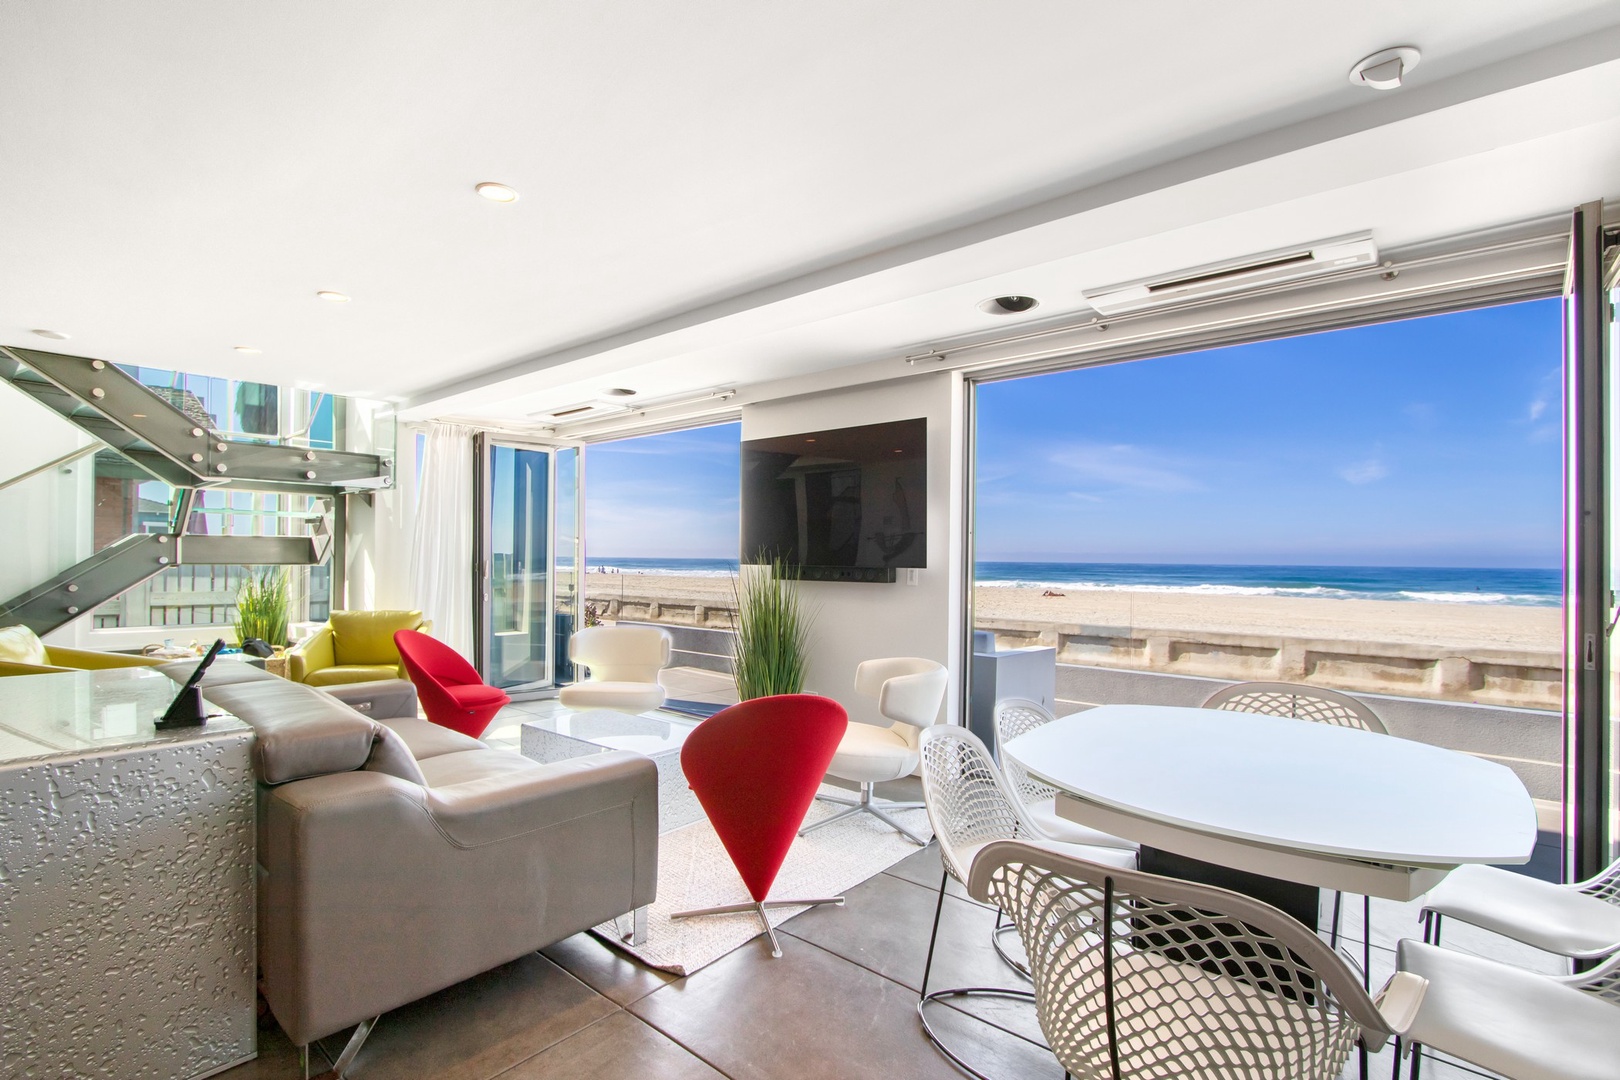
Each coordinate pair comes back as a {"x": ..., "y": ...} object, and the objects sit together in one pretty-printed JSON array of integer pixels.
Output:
[{"x": 1515, "y": 678}]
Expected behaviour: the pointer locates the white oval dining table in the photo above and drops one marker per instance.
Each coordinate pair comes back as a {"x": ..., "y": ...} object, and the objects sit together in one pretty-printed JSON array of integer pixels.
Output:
[{"x": 1310, "y": 803}]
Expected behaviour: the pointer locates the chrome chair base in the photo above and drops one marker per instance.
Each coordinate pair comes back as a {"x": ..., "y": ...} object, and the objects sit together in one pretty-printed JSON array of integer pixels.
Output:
[
  {"x": 1008, "y": 958},
  {"x": 759, "y": 908},
  {"x": 925, "y": 998},
  {"x": 866, "y": 804},
  {"x": 971, "y": 991}
]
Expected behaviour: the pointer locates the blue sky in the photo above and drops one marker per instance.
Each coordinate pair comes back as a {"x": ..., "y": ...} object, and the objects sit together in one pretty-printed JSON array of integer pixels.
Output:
[
  {"x": 1430, "y": 442},
  {"x": 670, "y": 496}
]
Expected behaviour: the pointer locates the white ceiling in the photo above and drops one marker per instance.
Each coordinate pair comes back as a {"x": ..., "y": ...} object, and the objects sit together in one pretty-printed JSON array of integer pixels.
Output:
[{"x": 724, "y": 193}]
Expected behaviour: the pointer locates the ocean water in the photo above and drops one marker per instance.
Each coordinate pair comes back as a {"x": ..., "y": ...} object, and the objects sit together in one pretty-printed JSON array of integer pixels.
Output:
[
  {"x": 686, "y": 567},
  {"x": 1465, "y": 585}
]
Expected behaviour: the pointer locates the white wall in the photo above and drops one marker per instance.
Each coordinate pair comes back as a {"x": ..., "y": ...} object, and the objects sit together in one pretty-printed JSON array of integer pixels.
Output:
[
  {"x": 856, "y": 622},
  {"x": 378, "y": 570},
  {"x": 48, "y": 517}
]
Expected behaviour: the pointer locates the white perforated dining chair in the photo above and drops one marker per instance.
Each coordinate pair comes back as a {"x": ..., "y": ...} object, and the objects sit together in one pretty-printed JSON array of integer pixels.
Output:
[
  {"x": 1517, "y": 1023},
  {"x": 1313, "y": 703},
  {"x": 970, "y": 804},
  {"x": 1580, "y": 920},
  {"x": 1019, "y": 716},
  {"x": 623, "y": 663},
  {"x": 909, "y": 691},
  {"x": 1319, "y": 706},
  {"x": 1138, "y": 975}
]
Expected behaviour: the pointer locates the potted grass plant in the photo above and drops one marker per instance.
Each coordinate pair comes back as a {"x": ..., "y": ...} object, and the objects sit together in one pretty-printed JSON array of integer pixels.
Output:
[
  {"x": 261, "y": 607},
  {"x": 773, "y": 631}
]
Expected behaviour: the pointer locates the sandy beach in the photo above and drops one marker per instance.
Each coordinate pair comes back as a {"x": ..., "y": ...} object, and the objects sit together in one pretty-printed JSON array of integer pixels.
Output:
[{"x": 1497, "y": 626}]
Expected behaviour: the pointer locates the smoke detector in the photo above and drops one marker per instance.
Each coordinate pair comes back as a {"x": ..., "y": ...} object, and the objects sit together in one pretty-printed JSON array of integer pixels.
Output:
[{"x": 1385, "y": 69}]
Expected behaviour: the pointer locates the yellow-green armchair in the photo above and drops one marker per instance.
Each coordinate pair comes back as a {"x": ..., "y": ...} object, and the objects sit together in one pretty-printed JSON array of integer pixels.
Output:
[
  {"x": 354, "y": 646},
  {"x": 22, "y": 653}
]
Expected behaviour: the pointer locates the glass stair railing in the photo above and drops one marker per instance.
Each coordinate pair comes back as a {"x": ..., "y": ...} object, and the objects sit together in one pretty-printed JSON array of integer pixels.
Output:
[
  {"x": 193, "y": 479},
  {"x": 173, "y": 445}
]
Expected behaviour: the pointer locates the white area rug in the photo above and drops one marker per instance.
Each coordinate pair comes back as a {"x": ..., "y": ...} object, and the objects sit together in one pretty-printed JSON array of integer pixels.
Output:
[{"x": 694, "y": 871}]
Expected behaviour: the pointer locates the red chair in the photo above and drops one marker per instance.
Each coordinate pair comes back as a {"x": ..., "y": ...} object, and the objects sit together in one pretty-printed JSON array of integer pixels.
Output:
[
  {"x": 452, "y": 694},
  {"x": 755, "y": 767}
]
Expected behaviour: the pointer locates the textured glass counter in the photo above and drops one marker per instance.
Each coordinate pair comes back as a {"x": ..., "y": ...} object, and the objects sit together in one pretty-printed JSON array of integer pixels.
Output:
[
  {"x": 85, "y": 711},
  {"x": 126, "y": 881}
]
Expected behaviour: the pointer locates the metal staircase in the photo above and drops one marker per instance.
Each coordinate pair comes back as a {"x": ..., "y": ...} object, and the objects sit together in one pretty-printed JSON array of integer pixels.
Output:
[
  {"x": 111, "y": 405},
  {"x": 167, "y": 444},
  {"x": 126, "y": 563}
]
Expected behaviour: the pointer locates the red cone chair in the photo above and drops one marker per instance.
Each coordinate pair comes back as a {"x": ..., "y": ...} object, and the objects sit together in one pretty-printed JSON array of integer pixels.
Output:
[
  {"x": 755, "y": 767},
  {"x": 452, "y": 694}
]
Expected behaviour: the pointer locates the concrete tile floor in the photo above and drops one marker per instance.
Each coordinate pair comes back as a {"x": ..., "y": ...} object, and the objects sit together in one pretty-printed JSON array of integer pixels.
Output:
[{"x": 841, "y": 1002}]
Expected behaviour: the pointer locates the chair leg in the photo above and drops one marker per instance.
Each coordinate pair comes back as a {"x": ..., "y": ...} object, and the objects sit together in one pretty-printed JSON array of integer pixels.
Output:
[
  {"x": 933, "y": 936},
  {"x": 840, "y": 816},
  {"x": 770, "y": 933},
  {"x": 1366, "y": 942},
  {"x": 1007, "y": 958},
  {"x": 759, "y": 908},
  {"x": 1395, "y": 1073},
  {"x": 924, "y": 998},
  {"x": 920, "y": 841},
  {"x": 1417, "y": 1061},
  {"x": 866, "y": 804}
]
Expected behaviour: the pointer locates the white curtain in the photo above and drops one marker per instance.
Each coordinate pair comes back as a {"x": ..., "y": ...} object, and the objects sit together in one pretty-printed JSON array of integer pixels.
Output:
[{"x": 442, "y": 540}]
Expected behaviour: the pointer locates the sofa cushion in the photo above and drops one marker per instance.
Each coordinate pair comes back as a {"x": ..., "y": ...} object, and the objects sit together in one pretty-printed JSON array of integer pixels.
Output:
[
  {"x": 480, "y": 764},
  {"x": 427, "y": 739},
  {"x": 367, "y": 637},
  {"x": 298, "y": 731},
  {"x": 379, "y": 699},
  {"x": 20, "y": 645},
  {"x": 351, "y": 673}
]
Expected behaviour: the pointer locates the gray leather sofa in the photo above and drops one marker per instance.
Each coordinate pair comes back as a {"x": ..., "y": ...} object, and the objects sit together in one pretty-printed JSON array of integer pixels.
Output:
[{"x": 397, "y": 857}]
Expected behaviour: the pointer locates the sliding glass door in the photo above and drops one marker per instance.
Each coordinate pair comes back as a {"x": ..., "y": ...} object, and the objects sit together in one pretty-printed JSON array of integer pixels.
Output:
[
  {"x": 1592, "y": 606},
  {"x": 528, "y": 549}
]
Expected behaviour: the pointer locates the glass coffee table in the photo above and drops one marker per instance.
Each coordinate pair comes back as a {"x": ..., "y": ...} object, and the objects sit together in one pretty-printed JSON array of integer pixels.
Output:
[{"x": 572, "y": 735}]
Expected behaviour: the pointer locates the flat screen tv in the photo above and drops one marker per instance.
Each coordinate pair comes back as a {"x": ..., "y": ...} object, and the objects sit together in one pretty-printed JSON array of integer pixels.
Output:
[{"x": 849, "y": 504}]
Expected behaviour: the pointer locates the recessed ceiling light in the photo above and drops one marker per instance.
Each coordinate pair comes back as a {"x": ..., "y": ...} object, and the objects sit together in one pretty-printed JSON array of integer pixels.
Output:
[
  {"x": 335, "y": 297},
  {"x": 1008, "y": 305},
  {"x": 54, "y": 335},
  {"x": 496, "y": 192},
  {"x": 250, "y": 350},
  {"x": 1385, "y": 69}
]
